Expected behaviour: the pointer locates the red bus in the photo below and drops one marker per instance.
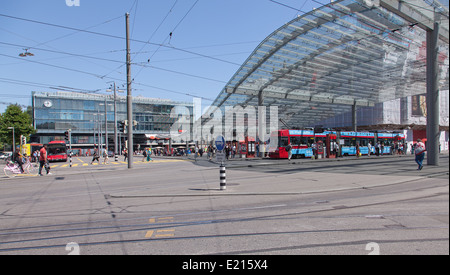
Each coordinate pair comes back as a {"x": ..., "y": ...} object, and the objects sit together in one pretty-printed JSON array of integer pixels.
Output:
[{"x": 57, "y": 151}]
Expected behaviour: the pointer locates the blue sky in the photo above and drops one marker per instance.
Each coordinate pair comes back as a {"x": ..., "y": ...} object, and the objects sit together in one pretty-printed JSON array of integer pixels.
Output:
[{"x": 210, "y": 40}]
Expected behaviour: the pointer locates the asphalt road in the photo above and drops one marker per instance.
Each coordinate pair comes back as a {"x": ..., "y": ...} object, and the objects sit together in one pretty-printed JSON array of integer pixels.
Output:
[{"x": 175, "y": 207}]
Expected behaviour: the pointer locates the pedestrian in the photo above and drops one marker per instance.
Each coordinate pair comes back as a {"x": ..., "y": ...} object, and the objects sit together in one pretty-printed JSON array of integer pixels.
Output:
[
  {"x": 43, "y": 160},
  {"x": 210, "y": 149},
  {"x": 144, "y": 155},
  {"x": 419, "y": 150},
  {"x": 34, "y": 158},
  {"x": 149, "y": 154},
  {"x": 400, "y": 148},
  {"x": 382, "y": 149},
  {"x": 125, "y": 154},
  {"x": 369, "y": 147},
  {"x": 106, "y": 157},
  {"x": 314, "y": 149},
  {"x": 95, "y": 157},
  {"x": 358, "y": 150},
  {"x": 289, "y": 150},
  {"x": 227, "y": 151}
]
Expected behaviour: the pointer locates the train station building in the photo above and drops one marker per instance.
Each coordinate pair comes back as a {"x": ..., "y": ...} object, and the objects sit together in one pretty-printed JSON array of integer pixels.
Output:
[{"x": 369, "y": 65}]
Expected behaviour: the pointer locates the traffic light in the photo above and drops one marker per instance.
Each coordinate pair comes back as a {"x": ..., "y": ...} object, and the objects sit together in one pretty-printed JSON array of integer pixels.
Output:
[
  {"x": 23, "y": 140},
  {"x": 121, "y": 126},
  {"x": 66, "y": 134}
]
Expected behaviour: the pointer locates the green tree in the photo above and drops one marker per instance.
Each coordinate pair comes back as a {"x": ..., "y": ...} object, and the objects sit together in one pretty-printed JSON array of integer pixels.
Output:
[{"x": 20, "y": 120}]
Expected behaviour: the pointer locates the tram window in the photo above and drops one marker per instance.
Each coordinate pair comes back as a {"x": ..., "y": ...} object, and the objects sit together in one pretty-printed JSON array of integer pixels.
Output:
[
  {"x": 284, "y": 141},
  {"x": 295, "y": 141},
  {"x": 363, "y": 142},
  {"x": 387, "y": 142},
  {"x": 349, "y": 142}
]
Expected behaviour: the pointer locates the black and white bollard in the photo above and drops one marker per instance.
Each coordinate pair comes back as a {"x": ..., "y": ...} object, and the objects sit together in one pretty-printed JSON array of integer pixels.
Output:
[
  {"x": 116, "y": 157},
  {"x": 70, "y": 159},
  {"x": 223, "y": 178}
]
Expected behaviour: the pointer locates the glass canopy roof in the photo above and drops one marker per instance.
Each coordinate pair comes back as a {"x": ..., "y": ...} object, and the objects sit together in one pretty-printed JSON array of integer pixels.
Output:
[{"x": 346, "y": 53}]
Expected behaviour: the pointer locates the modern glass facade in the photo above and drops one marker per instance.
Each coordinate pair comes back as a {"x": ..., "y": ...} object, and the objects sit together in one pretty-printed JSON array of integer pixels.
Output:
[{"x": 84, "y": 114}]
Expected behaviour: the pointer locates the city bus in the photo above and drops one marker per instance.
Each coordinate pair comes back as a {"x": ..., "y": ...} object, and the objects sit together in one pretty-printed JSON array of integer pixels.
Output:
[{"x": 57, "y": 151}]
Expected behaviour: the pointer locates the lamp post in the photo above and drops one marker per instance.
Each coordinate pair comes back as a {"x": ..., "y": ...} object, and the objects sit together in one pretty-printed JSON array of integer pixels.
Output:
[{"x": 14, "y": 139}]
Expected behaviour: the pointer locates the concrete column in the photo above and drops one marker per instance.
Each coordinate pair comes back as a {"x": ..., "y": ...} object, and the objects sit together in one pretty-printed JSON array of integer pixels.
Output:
[
  {"x": 433, "y": 94},
  {"x": 354, "y": 118}
]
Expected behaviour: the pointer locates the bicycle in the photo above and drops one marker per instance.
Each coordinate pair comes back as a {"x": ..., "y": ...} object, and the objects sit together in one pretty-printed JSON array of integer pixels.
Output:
[{"x": 12, "y": 169}]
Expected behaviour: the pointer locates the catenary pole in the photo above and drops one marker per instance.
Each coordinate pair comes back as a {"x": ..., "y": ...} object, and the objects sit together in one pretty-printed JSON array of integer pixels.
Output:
[
  {"x": 433, "y": 93},
  {"x": 129, "y": 97}
]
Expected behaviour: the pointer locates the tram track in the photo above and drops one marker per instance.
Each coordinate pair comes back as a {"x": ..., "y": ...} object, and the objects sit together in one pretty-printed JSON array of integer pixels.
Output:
[{"x": 190, "y": 220}]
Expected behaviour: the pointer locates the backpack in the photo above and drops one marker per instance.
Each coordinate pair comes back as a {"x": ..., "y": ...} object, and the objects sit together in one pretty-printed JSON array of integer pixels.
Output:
[{"x": 288, "y": 148}]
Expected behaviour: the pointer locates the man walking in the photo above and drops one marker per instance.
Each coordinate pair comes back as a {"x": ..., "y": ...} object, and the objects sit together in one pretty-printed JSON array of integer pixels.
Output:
[
  {"x": 419, "y": 150},
  {"x": 43, "y": 160},
  {"x": 95, "y": 157}
]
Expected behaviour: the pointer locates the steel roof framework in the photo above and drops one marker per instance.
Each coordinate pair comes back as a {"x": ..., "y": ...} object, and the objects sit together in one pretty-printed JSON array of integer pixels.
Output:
[{"x": 347, "y": 53}]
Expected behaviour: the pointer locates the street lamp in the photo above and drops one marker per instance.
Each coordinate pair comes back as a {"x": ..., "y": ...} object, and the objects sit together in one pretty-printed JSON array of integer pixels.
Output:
[
  {"x": 14, "y": 139},
  {"x": 26, "y": 53}
]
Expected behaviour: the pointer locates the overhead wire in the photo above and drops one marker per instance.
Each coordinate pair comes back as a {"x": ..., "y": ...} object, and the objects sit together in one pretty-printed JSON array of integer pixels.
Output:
[
  {"x": 170, "y": 34},
  {"x": 118, "y": 37},
  {"x": 41, "y": 85},
  {"x": 148, "y": 41}
]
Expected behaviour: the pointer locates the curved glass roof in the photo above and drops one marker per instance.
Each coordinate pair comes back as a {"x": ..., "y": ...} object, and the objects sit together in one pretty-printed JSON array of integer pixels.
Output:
[{"x": 349, "y": 52}]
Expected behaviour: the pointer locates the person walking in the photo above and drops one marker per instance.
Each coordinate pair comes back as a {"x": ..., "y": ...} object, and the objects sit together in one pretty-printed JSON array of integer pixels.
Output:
[
  {"x": 95, "y": 157},
  {"x": 419, "y": 150},
  {"x": 289, "y": 150},
  {"x": 144, "y": 155},
  {"x": 369, "y": 147},
  {"x": 43, "y": 160},
  {"x": 149, "y": 154},
  {"x": 106, "y": 157},
  {"x": 125, "y": 155}
]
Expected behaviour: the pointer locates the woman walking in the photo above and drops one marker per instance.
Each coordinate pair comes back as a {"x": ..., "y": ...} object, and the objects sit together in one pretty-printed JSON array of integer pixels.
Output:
[{"x": 419, "y": 150}]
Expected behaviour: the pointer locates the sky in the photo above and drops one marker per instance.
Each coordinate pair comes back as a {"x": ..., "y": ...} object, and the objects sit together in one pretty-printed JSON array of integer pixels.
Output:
[{"x": 83, "y": 48}]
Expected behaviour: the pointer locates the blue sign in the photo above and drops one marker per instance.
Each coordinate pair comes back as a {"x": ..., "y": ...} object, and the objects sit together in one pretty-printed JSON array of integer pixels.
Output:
[{"x": 220, "y": 143}]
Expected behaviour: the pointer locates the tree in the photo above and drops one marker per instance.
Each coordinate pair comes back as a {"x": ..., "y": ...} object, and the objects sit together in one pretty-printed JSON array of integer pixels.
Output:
[{"x": 21, "y": 121}]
